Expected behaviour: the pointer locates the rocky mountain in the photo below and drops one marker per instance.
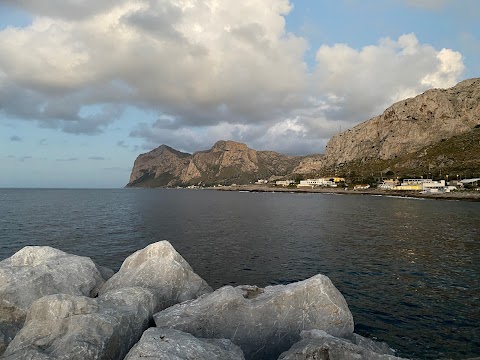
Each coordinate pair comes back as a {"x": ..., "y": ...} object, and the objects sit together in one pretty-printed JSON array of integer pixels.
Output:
[
  {"x": 226, "y": 162},
  {"x": 158, "y": 167},
  {"x": 432, "y": 132},
  {"x": 409, "y": 125},
  {"x": 445, "y": 159}
]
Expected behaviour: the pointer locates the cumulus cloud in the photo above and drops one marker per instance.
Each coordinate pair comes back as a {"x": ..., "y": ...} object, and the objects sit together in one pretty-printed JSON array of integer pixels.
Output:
[
  {"x": 210, "y": 69},
  {"x": 70, "y": 9},
  {"x": 363, "y": 82}
]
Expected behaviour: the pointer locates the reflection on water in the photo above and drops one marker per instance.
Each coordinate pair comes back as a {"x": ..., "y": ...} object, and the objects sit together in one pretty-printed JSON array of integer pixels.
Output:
[{"x": 409, "y": 269}]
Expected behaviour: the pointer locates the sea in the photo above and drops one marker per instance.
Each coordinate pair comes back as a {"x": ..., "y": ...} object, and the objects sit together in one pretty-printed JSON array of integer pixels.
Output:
[{"x": 408, "y": 268}]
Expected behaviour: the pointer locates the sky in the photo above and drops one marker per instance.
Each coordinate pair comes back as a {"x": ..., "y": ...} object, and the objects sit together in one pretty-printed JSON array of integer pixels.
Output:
[{"x": 86, "y": 85}]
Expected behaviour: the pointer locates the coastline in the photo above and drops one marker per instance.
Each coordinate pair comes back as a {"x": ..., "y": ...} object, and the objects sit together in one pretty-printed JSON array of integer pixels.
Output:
[{"x": 456, "y": 195}]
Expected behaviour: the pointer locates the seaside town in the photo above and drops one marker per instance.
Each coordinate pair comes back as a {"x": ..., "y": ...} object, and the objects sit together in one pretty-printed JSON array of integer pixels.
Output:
[{"x": 427, "y": 186}]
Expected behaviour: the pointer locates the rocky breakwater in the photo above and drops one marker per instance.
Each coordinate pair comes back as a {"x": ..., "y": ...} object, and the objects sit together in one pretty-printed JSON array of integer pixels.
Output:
[
  {"x": 113, "y": 319},
  {"x": 34, "y": 272}
]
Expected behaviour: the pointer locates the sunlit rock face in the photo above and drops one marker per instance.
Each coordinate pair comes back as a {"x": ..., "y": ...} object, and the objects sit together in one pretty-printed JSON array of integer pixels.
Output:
[
  {"x": 409, "y": 125},
  {"x": 264, "y": 322},
  {"x": 226, "y": 162},
  {"x": 36, "y": 271}
]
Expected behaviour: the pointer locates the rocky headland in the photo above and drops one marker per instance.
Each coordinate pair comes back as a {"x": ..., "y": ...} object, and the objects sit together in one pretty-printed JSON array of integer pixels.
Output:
[
  {"x": 225, "y": 163},
  {"x": 436, "y": 132},
  {"x": 54, "y": 305}
]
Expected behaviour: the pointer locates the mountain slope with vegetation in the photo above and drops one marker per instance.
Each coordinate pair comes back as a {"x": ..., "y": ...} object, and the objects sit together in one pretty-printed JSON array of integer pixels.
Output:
[
  {"x": 446, "y": 159},
  {"x": 433, "y": 134},
  {"x": 409, "y": 125}
]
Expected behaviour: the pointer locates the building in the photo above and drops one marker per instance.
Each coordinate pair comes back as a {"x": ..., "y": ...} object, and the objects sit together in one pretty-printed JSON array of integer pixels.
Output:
[
  {"x": 425, "y": 185},
  {"x": 388, "y": 184},
  {"x": 361, "y": 187},
  {"x": 285, "y": 182},
  {"x": 311, "y": 183},
  {"x": 411, "y": 185}
]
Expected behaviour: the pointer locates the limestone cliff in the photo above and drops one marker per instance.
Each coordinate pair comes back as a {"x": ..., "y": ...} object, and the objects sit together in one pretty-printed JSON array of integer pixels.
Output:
[
  {"x": 158, "y": 167},
  {"x": 410, "y": 125},
  {"x": 226, "y": 162}
]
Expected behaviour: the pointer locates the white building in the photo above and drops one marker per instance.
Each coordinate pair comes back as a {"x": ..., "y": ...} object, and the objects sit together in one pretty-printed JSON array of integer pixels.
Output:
[
  {"x": 285, "y": 182},
  {"x": 316, "y": 182},
  {"x": 388, "y": 184}
]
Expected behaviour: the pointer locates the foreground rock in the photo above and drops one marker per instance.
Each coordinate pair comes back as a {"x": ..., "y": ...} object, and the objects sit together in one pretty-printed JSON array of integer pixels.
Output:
[
  {"x": 36, "y": 271},
  {"x": 166, "y": 344},
  {"x": 317, "y": 344},
  {"x": 162, "y": 270},
  {"x": 77, "y": 327},
  {"x": 263, "y": 322}
]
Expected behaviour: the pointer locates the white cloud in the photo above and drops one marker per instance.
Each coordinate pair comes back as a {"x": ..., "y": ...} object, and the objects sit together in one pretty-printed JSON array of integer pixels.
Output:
[
  {"x": 366, "y": 81},
  {"x": 210, "y": 69},
  {"x": 198, "y": 61}
]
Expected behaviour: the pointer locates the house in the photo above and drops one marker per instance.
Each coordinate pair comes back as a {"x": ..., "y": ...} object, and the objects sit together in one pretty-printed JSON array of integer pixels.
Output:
[
  {"x": 361, "y": 187},
  {"x": 285, "y": 182},
  {"x": 425, "y": 185},
  {"x": 411, "y": 185},
  {"x": 311, "y": 183},
  {"x": 388, "y": 184}
]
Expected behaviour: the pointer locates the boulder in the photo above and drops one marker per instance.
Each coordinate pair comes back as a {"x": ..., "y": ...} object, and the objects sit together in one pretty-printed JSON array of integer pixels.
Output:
[
  {"x": 78, "y": 327},
  {"x": 264, "y": 322},
  {"x": 162, "y": 270},
  {"x": 317, "y": 344},
  {"x": 170, "y": 344},
  {"x": 36, "y": 271},
  {"x": 376, "y": 346}
]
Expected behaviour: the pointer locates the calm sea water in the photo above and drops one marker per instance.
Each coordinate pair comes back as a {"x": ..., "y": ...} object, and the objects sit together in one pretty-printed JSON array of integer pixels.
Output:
[{"x": 409, "y": 269}]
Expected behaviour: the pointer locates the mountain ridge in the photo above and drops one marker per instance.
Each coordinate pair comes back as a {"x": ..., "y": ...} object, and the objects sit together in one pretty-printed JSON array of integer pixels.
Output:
[{"x": 378, "y": 144}]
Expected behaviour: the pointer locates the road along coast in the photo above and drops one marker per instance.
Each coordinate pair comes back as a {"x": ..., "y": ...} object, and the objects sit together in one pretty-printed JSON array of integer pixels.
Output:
[{"x": 456, "y": 195}]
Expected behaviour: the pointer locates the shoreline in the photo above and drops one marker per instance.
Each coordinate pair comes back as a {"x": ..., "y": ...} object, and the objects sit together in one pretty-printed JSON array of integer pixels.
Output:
[{"x": 456, "y": 195}]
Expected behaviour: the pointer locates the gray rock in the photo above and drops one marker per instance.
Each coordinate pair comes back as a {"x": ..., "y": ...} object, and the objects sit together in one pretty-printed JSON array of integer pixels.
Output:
[
  {"x": 78, "y": 327},
  {"x": 317, "y": 344},
  {"x": 376, "y": 346},
  {"x": 7, "y": 333},
  {"x": 263, "y": 322},
  {"x": 106, "y": 272},
  {"x": 36, "y": 271},
  {"x": 162, "y": 270},
  {"x": 170, "y": 344}
]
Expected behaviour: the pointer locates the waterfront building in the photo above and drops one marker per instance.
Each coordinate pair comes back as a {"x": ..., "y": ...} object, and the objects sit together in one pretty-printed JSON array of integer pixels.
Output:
[{"x": 284, "y": 182}]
